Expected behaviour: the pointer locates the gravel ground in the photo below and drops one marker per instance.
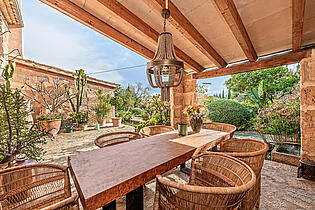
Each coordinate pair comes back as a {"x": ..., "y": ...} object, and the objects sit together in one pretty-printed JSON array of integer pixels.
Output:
[{"x": 280, "y": 187}]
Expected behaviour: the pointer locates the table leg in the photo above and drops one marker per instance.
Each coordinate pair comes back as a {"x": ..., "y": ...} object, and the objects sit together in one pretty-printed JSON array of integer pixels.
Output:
[
  {"x": 134, "y": 199},
  {"x": 110, "y": 206},
  {"x": 184, "y": 169}
]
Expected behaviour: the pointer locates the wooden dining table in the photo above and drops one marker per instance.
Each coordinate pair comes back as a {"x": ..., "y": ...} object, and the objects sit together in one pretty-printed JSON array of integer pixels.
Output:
[{"x": 103, "y": 175}]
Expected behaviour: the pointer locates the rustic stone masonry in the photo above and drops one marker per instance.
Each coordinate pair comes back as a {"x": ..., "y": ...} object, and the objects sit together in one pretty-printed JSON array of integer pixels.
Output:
[
  {"x": 308, "y": 106},
  {"x": 32, "y": 73},
  {"x": 182, "y": 96}
]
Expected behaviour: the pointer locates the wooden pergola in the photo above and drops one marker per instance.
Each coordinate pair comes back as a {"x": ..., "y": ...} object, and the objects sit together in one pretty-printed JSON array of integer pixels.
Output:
[
  {"x": 207, "y": 33},
  {"x": 214, "y": 38}
]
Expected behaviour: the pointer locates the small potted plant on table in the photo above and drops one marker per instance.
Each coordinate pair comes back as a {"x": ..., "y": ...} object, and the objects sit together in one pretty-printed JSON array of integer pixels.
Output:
[
  {"x": 196, "y": 115},
  {"x": 102, "y": 107}
]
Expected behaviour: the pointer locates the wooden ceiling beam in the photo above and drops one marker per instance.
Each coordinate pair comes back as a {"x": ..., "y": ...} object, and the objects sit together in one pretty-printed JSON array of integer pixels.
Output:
[
  {"x": 256, "y": 65},
  {"x": 231, "y": 16},
  {"x": 142, "y": 26},
  {"x": 72, "y": 10},
  {"x": 190, "y": 32},
  {"x": 298, "y": 8}
]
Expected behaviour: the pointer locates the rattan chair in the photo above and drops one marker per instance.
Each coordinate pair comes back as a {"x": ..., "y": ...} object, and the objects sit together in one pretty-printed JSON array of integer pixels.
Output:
[
  {"x": 154, "y": 130},
  {"x": 253, "y": 153},
  {"x": 110, "y": 139},
  {"x": 217, "y": 181},
  {"x": 36, "y": 186},
  {"x": 220, "y": 127}
]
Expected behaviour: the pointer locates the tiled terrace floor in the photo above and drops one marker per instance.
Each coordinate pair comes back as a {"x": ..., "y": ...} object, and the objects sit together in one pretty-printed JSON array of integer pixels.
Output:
[{"x": 280, "y": 187}]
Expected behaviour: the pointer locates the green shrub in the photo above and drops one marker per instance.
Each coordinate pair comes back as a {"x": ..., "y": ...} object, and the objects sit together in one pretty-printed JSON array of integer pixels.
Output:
[{"x": 231, "y": 112}]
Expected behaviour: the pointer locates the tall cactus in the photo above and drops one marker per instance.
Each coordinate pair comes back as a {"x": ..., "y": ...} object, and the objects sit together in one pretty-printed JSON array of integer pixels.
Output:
[{"x": 80, "y": 80}]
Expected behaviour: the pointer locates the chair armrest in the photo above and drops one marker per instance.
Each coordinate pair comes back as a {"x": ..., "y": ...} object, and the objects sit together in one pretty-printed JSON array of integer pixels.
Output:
[{"x": 71, "y": 202}]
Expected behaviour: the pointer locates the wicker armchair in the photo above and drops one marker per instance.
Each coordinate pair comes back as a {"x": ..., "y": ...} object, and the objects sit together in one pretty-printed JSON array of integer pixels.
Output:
[
  {"x": 37, "y": 186},
  {"x": 217, "y": 181},
  {"x": 253, "y": 153},
  {"x": 154, "y": 130},
  {"x": 220, "y": 127},
  {"x": 110, "y": 139}
]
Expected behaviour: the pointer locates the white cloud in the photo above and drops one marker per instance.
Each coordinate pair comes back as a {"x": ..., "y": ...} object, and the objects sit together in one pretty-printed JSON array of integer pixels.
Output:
[{"x": 65, "y": 48}]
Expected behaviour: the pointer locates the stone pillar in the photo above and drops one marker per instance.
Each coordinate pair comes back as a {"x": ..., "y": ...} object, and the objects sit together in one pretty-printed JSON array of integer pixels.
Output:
[
  {"x": 182, "y": 96},
  {"x": 308, "y": 106}
]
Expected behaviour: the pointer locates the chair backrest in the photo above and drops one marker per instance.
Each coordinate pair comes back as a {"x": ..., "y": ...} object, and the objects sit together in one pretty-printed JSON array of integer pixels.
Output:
[
  {"x": 252, "y": 152},
  {"x": 33, "y": 186},
  {"x": 110, "y": 139},
  {"x": 155, "y": 130},
  {"x": 217, "y": 181},
  {"x": 220, "y": 127}
]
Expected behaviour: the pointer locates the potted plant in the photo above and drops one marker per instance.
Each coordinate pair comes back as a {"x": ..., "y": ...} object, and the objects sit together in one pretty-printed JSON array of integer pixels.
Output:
[
  {"x": 196, "y": 115},
  {"x": 17, "y": 137},
  {"x": 79, "y": 119},
  {"x": 116, "y": 101},
  {"x": 102, "y": 107},
  {"x": 51, "y": 98},
  {"x": 50, "y": 123}
]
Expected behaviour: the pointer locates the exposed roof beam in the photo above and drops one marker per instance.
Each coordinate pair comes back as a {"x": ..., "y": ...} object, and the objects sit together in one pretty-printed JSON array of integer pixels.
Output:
[
  {"x": 231, "y": 16},
  {"x": 190, "y": 32},
  {"x": 5, "y": 13},
  {"x": 298, "y": 8},
  {"x": 142, "y": 26},
  {"x": 256, "y": 65},
  {"x": 79, "y": 14}
]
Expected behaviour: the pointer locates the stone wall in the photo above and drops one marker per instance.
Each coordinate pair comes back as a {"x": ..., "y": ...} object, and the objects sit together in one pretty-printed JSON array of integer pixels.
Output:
[
  {"x": 182, "y": 96},
  {"x": 32, "y": 73},
  {"x": 308, "y": 106}
]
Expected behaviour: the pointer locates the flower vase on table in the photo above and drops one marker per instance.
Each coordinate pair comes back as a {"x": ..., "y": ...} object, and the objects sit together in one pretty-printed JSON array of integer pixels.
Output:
[
  {"x": 196, "y": 115},
  {"x": 196, "y": 122}
]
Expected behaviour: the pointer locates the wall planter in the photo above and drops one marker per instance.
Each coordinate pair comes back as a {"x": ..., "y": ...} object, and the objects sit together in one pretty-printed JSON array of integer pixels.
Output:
[
  {"x": 53, "y": 126},
  {"x": 116, "y": 121},
  {"x": 287, "y": 153}
]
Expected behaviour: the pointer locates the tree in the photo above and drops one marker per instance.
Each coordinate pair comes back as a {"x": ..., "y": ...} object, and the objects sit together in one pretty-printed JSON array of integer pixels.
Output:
[
  {"x": 278, "y": 81},
  {"x": 49, "y": 97},
  {"x": 16, "y": 136}
]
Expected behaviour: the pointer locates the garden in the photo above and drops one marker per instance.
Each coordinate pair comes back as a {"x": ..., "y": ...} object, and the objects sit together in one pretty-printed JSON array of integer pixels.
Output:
[{"x": 261, "y": 103}]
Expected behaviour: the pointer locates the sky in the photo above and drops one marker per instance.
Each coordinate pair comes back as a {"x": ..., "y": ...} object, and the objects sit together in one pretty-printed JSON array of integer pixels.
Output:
[{"x": 52, "y": 38}]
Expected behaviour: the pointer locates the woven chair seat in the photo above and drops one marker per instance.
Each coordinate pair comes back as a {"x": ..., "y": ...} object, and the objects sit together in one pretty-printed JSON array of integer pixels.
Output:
[
  {"x": 217, "y": 181},
  {"x": 37, "y": 186},
  {"x": 114, "y": 138},
  {"x": 155, "y": 130},
  {"x": 253, "y": 153}
]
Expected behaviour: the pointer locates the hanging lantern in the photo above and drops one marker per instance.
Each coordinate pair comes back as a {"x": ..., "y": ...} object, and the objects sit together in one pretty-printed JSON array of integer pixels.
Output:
[{"x": 165, "y": 68}]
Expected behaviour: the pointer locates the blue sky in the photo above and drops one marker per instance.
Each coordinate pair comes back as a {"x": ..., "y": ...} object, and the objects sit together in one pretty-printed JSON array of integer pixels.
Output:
[{"x": 53, "y": 38}]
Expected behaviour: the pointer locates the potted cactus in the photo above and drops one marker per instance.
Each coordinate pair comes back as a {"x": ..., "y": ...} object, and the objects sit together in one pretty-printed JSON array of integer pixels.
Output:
[{"x": 79, "y": 119}]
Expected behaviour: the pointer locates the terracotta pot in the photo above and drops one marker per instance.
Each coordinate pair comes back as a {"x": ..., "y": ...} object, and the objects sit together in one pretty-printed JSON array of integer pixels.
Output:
[
  {"x": 116, "y": 121},
  {"x": 53, "y": 126},
  {"x": 101, "y": 122},
  {"x": 196, "y": 123}
]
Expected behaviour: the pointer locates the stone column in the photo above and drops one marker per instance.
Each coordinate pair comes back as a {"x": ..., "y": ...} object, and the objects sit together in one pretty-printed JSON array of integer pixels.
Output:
[
  {"x": 308, "y": 106},
  {"x": 182, "y": 96}
]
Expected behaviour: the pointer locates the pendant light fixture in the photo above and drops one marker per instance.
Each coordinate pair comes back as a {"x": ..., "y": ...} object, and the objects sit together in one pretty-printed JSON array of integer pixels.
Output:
[{"x": 165, "y": 68}]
